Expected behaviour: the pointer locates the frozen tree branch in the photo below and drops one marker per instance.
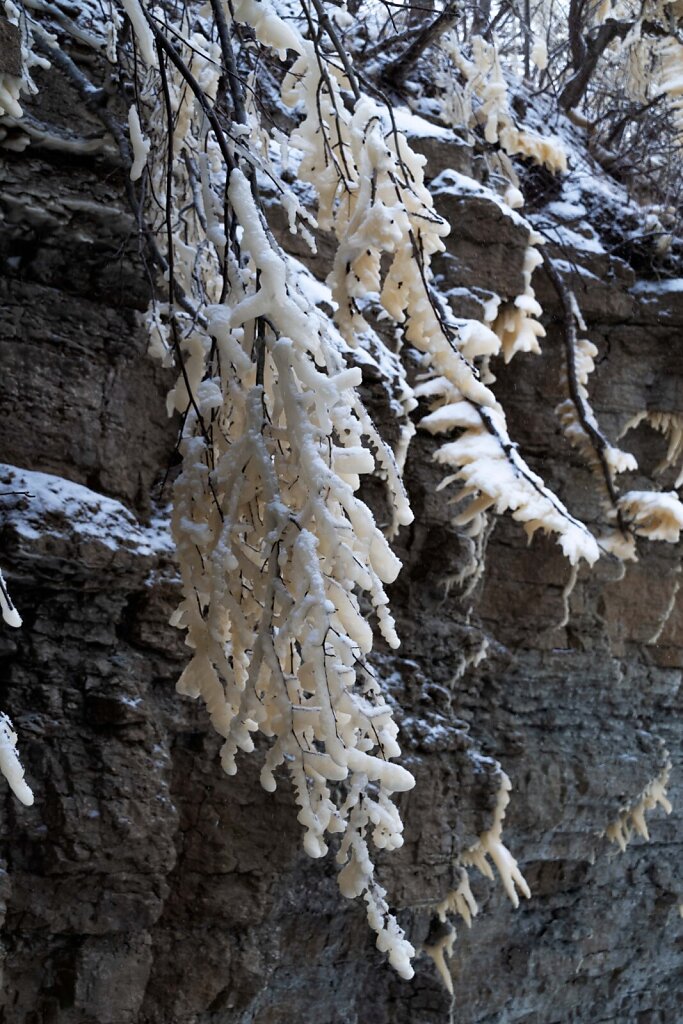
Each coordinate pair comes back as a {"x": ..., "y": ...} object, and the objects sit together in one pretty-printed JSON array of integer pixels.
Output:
[
  {"x": 396, "y": 70},
  {"x": 602, "y": 449}
]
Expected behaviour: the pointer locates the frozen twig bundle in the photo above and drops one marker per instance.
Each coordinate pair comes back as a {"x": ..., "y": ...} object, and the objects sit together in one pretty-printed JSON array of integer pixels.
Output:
[{"x": 274, "y": 545}]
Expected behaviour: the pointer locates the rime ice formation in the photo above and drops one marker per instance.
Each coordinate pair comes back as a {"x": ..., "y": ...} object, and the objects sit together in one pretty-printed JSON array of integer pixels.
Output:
[
  {"x": 9, "y": 613},
  {"x": 10, "y": 91},
  {"x": 386, "y": 219},
  {"x": 140, "y": 144},
  {"x": 143, "y": 33},
  {"x": 10, "y": 765},
  {"x": 669, "y": 424},
  {"x": 654, "y": 514},
  {"x": 539, "y": 53},
  {"x": 273, "y": 544},
  {"x": 484, "y": 101},
  {"x": 494, "y": 476},
  {"x": 490, "y": 844},
  {"x": 460, "y": 901},
  {"x": 516, "y": 325},
  {"x": 632, "y": 818},
  {"x": 581, "y": 427},
  {"x": 12, "y": 86},
  {"x": 671, "y": 79}
]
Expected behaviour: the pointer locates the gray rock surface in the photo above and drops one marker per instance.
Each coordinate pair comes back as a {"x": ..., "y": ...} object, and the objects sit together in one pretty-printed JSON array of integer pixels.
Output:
[{"x": 145, "y": 887}]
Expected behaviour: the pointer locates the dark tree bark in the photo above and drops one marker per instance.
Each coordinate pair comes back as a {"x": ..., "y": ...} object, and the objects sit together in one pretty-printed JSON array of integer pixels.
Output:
[
  {"x": 396, "y": 70},
  {"x": 586, "y": 53}
]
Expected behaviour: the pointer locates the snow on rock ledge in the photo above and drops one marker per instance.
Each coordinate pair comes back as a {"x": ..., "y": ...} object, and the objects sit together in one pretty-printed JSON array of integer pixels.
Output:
[{"x": 50, "y": 519}]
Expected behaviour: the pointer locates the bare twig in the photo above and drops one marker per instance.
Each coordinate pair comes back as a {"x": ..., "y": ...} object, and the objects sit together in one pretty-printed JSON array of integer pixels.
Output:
[
  {"x": 596, "y": 438},
  {"x": 396, "y": 70},
  {"x": 326, "y": 24},
  {"x": 234, "y": 82}
]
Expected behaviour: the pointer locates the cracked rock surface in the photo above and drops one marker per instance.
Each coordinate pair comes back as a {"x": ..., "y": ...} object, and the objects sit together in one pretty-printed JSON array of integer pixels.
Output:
[{"x": 144, "y": 886}]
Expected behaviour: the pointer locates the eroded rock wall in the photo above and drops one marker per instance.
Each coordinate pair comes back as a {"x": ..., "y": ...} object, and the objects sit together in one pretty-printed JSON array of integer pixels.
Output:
[{"x": 145, "y": 887}]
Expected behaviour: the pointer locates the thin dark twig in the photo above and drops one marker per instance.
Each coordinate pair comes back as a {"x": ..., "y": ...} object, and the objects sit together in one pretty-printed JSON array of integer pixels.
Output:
[
  {"x": 597, "y": 439},
  {"x": 171, "y": 280},
  {"x": 331, "y": 31},
  {"x": 396, "y": 70},
  {"x": 229, "y": 61},
  {"x": 93, "y": 97}
]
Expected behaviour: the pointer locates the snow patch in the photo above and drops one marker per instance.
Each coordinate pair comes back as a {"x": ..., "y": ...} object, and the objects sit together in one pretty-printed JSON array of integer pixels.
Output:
[
  {"x": 666, "y": 287},
  {"x": 52, "y": 505},
  {"x": 418, "y": 127},
  {"x": 457, "y": 184}
]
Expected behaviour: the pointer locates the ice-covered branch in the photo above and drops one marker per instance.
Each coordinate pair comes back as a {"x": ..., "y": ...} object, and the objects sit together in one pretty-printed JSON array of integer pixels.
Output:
[
  {"x": 460, "y": 901},
  {"x": 576, "y": 415},
  {"x": 484, "y": 102},
  {"x": 10, "y": 766},
  {"x": 632, "y": 818},
  {"x": 371, "y": 192},
  {"x": 652, "y": 514},
  {"x": 275, "y": 547}
]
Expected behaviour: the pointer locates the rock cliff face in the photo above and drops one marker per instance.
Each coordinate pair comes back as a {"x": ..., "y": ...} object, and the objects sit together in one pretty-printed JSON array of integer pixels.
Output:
[{"x": 145, "y": 887}]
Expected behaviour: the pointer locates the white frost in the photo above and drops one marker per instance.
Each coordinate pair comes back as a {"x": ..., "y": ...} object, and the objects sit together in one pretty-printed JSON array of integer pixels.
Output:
[
  {"x": 139, "y": 143},
  {"x": 10, "y": 765},
  {"x": 9, "y": 612},
  {"x": 143, "y": 33},
  {"x": 632, "y": 818}
]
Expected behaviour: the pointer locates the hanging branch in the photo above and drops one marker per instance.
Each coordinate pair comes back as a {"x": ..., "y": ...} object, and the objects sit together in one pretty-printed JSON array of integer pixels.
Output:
[
  {"x": 234, "y": 83},
  {"x": 597, "y": 439},
  {"x": 94, "y": 97},
  {"x": 333, "y": 36},
  {"x": 395, "y": 72}
]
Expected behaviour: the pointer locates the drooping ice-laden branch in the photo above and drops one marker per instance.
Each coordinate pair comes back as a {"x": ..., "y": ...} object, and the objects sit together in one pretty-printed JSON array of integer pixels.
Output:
[
  {"x": 274, "y": 545},
  {"x": 653, "y": 514},
  {"x": 10, "y": 766},
  {"x": 575, "y": 413},
  {"x": 371, "y": 192},
  {"x": 632, "y": 817}
]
